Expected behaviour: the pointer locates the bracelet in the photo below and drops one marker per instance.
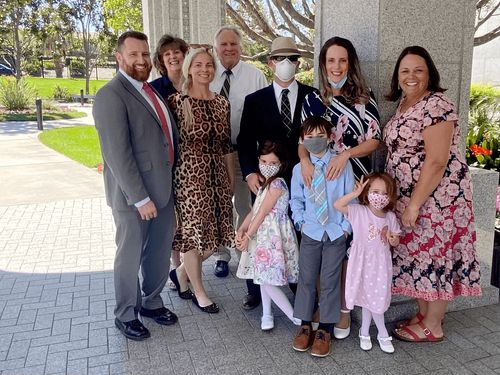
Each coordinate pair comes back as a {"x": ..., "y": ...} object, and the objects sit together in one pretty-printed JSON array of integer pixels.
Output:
[{"x": 247, "y": 236}]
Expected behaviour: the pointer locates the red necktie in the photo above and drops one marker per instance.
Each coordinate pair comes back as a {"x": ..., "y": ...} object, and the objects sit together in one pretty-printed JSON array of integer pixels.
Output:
[{"x": 163, "y": 119}]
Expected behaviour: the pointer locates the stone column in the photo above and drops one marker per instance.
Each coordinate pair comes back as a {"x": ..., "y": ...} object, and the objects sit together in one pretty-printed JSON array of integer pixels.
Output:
[
  {"x": 195, "y": 21},
  {"x": 379, "y": 30}
]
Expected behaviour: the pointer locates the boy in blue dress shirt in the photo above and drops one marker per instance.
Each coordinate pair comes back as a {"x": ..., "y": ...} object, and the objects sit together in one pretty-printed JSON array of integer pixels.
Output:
[{"x": 324, "y": 232}]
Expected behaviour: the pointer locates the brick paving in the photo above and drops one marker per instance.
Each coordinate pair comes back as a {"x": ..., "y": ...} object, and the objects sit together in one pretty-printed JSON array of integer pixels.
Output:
[{"x": 56, "y": 314}]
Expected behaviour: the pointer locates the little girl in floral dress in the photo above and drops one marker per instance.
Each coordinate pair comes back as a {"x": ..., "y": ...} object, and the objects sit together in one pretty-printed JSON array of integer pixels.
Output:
[
  {"x": 267, "y": 237},
  {"x": 369, "y": 270}
]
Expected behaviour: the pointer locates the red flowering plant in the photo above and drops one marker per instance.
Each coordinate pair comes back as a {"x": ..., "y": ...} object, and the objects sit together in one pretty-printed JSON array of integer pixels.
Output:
[{"x": 483, "y": 135}]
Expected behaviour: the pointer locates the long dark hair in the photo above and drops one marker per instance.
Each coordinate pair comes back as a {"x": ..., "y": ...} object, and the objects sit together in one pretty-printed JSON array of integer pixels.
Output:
[
  {"x": 434, "y": 77},
  {"x": 355, "y": 90},
  {"x": 276, "y": 148}
]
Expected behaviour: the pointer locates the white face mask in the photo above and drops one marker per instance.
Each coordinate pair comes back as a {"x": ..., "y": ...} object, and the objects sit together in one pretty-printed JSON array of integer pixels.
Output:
[
  {"x": 284, "y": 70},
  {"x": 269, "y": 171}
]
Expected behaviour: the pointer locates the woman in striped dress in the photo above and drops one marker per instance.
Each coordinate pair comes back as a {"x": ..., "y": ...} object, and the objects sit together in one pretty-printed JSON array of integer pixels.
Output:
[{"x": 345, "y": 100}]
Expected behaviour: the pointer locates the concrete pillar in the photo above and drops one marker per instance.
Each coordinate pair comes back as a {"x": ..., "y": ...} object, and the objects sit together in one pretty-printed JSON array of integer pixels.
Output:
[
  {"x": 379, "y": 30},
  {"x": 195, "y": 21}
]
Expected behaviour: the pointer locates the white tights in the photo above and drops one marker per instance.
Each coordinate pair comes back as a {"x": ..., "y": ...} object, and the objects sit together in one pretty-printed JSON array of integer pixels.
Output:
[
  {"x": 367, "y": 316},
  {"x": 274, "y": 293}
]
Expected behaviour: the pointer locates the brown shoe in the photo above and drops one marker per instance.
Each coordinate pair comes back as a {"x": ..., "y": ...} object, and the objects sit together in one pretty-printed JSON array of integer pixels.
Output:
[
  {"x": 304, "y": 338},
  {"x": 321, "y": 344}
]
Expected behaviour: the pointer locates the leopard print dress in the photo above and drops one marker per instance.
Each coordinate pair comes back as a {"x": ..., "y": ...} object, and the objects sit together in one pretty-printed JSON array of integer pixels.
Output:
[{"x": 201, "y": 183}]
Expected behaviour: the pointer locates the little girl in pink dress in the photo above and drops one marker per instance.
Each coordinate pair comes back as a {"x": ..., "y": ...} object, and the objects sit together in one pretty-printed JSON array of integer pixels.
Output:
[{"x": 369, "y": 270}]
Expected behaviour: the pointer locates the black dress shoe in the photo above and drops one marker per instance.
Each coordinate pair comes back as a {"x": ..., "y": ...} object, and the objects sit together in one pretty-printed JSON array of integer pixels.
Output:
[
  {"x": 221, "y": 268},
  {"x": 187, "y": 294},
  {"x": 210, "y": 309},
  {"x": 161, "y": 316},
  {"x": 251, "y": 301},
  {"x": 134, "y": 330}
]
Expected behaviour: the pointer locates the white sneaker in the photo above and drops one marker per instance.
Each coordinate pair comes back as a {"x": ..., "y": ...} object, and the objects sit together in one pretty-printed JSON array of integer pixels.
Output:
[
  {"x": 267, "y": 322},
  {"x": 386, "y": 344},
  {"x": 365, "y": 342},
  {"x": 297, "y": 321}
]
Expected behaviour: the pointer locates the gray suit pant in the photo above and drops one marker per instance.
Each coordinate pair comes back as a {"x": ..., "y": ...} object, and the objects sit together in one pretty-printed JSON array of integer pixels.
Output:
[
  {"x": 144, "y": 245},
  {"x": 324, "y": 259}
]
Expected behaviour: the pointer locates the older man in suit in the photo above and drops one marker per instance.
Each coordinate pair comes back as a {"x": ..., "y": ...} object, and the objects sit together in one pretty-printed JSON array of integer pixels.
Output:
[
  {"x": 137, "y": 136},
  {"x": 273, "y": 113}
]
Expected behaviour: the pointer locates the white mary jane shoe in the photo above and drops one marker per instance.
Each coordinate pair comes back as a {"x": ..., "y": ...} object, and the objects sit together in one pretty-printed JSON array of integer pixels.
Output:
[
  {"x": 386, "y": 344},
  {"x": 297, "y": 321},
  {"x": 342, "y": 333},
  {"x": 365, "y": 342},
  {"x": 267, "y": 322}
]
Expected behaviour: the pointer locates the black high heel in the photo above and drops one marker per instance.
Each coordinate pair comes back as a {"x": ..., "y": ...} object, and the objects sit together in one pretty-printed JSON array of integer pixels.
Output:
[
  {"x": 210, "y": 309},
  {"x": 187, "y": 294}
]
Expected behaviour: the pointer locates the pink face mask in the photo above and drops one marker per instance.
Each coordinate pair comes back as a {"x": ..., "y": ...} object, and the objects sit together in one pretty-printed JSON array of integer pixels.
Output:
[{"x": 378, "y": 201}]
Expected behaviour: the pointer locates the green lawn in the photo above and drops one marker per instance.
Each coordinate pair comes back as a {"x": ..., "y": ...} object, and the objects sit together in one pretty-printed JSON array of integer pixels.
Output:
[
  {"x": 46, "y": 116},
  {"x": 79, "y": 143},
  {"x": 45, "y": 86}
]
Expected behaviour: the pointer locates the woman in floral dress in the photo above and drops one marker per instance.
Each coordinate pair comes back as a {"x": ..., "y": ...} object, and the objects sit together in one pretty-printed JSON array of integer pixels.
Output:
[{"x": 435, "y": 260}]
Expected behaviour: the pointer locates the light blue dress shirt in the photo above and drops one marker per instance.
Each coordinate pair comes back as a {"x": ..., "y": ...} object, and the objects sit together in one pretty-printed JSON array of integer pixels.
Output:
[{"x": 302, "y": 205}]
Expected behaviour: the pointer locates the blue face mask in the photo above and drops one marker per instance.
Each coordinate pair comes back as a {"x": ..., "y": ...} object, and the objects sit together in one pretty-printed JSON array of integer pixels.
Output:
[{"x": 339, "y": 84}]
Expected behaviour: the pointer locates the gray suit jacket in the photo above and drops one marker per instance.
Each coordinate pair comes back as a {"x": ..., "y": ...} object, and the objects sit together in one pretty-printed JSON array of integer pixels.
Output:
[{"x": 133, "y": 146}]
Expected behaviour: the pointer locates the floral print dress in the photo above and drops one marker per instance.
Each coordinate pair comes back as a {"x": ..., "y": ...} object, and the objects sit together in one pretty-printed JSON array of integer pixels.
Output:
[
  {"x": 437, "y": 259},
  {"x": 272, "y": 257}
]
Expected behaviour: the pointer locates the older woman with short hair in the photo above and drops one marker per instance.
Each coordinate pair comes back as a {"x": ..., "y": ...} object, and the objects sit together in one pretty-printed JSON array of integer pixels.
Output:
[
  {"x": 168, "y": 59},
  {"x": 436, "y": 258}
]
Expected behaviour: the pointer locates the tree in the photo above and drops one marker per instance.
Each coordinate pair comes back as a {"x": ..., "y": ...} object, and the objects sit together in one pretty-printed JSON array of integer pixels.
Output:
[
  {"x": 264, "y": 20},
  {"x": 88, "y": 17},
  {"x": 485, "y": 9},
  {"x": 122, "y": 15},
  {"x": 54, "y": 30},
  {"x": 16, "y": 20}
]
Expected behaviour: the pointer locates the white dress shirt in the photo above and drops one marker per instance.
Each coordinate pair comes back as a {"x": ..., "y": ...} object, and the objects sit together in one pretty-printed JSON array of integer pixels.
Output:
[
  {"x": 245, "y": 79},
  {"x": 292, "y": 95}
]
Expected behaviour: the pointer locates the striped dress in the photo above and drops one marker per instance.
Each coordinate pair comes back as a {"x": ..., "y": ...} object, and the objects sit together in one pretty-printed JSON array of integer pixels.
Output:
[{"x": 351, "y": 125}]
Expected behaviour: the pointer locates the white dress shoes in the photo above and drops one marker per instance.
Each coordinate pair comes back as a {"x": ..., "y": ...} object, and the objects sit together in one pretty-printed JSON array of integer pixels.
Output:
[
  {"x": 267, "y": 322},
  {"x": 365, "y": 342}
]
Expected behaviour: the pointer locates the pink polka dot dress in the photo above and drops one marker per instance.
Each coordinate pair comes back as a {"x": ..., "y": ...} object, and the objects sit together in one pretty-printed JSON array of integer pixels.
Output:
[{"x": 369, "y": 270}]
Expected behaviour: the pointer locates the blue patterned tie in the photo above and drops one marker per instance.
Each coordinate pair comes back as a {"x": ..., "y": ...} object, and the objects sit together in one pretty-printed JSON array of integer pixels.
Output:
[{"x": 318, "y": 188}]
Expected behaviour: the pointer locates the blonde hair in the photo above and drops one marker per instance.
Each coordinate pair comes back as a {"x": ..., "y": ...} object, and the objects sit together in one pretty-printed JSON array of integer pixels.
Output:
[
  {"x": 187, "y": 109},
  {"x": 188, "y": 60}
]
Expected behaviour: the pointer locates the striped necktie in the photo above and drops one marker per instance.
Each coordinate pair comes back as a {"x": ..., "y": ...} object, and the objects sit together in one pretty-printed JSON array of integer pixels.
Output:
[
  {"x": 224, "y": 91},
  {"x": 285, "y": 111},
  {"x": 318, "y": 188}
]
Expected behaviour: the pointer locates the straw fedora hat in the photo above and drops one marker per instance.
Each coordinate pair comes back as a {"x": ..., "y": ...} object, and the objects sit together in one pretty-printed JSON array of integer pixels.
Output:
[{"x": 284, "y": 46}]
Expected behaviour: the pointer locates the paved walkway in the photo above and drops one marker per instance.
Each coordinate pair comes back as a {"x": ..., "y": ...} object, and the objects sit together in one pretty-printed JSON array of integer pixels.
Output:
[{"x": 56, "y": 296}]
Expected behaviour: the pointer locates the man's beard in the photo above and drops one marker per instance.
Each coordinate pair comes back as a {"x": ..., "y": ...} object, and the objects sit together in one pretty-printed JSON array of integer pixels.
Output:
[{"x": 141, "y": 76}]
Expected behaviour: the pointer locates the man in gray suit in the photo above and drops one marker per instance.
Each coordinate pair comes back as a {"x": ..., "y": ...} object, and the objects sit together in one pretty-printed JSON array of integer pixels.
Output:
[{"x": 137, "y": 135}]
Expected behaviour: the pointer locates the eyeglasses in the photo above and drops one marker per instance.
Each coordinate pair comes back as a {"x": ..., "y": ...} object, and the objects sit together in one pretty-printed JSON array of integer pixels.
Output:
[
  {"x": 291, "y": 58},
  {"x": 206, "y": 47}
]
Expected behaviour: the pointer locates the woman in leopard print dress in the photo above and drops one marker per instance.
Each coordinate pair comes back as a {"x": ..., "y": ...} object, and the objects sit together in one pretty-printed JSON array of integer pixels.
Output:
[{"x": 204, "y": 175}]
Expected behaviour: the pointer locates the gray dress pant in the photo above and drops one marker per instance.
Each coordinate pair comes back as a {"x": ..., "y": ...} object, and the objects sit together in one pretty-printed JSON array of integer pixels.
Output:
[
  {"x": 143, "y": 245},
  {"x": 324, "y": 259}
]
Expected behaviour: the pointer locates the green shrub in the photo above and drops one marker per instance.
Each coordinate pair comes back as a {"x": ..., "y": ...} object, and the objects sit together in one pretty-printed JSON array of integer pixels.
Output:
[
  {"x": 268, "y": 73},
  {"x": 61, "y": 93},
  {"x": 306, "y": 77},
  {"x": 32, "y": 67},
  {"x": 77, "y": 68},
  {"x": 49, "y": 105},
  {"x": 483, "y": 133},
  {"x": 15, "y": 95},
  {"x": 49, "y": 65}
]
